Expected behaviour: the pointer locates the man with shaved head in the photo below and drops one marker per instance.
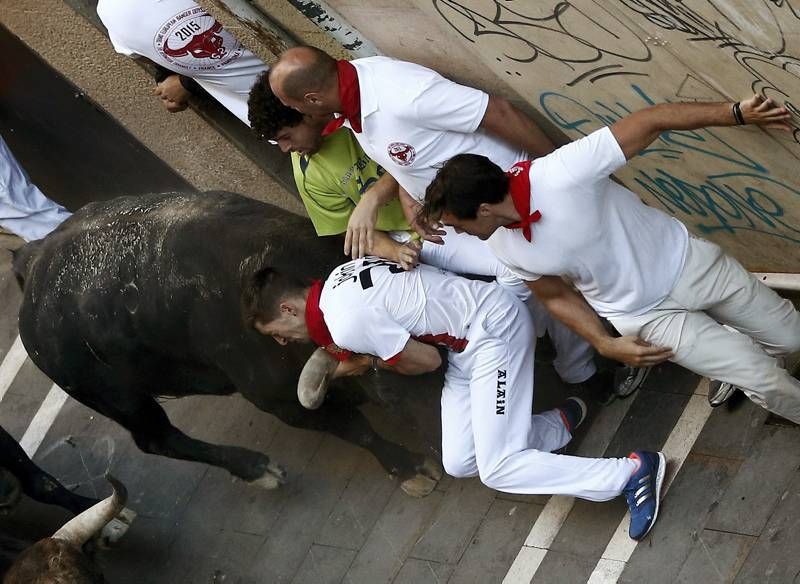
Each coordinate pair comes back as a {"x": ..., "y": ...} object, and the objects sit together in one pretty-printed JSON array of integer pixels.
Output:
[{"x": 306, "y": 70}]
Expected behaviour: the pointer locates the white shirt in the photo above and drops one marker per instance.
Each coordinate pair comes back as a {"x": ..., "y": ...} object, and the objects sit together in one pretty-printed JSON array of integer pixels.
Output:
[
  {"x": 373, "y": 306},
  {"x": 182, "y": 37},
  {"x": 623, "y": 256},
  {"x": 414, "y": 120}
]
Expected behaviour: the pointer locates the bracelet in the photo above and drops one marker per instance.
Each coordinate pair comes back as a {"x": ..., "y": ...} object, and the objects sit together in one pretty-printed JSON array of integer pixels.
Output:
[{"x": 737, "y": 114}]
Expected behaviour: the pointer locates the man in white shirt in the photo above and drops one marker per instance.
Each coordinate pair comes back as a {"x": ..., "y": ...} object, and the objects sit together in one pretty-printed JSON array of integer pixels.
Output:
[
  {"x": 24, "y": 210},
  {"x": 668, "y": 293},
  {"x": 181, "y": 37},
  {"x": 373, "y": 307}
]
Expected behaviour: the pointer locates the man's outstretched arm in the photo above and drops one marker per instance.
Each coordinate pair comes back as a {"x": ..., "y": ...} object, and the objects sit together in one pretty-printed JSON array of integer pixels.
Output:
[
  {"x": 638, "y": 130},
  {"x": 510, "y": 124},
  {"x": 567, "y": 305}
]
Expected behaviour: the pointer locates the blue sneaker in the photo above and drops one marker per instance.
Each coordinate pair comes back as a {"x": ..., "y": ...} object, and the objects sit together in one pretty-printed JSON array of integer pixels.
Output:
[
  {"x": 643, "y": 491},
  {"x": 573, "y": 413}
]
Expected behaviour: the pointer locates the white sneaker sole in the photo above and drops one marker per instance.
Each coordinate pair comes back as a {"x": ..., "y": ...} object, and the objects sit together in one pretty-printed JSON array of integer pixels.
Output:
[
  {"x": 641, "y": 376},
  {"x": 722, "y": 395}
]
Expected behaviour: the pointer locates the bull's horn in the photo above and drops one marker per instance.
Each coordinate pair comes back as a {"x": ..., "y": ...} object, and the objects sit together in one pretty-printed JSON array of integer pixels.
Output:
[{"x": 83, "y": 527}]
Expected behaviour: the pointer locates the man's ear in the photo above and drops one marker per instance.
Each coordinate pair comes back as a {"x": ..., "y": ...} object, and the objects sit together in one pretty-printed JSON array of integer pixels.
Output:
[
  {"x": 288, "y": 308},
  {"x": 312, "y": 98},
  {"x": 484, "y": 210}
]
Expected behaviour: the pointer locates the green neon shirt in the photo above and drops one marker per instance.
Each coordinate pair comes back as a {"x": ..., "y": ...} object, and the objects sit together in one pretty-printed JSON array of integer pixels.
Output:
[{"x": 332, "y": 181}]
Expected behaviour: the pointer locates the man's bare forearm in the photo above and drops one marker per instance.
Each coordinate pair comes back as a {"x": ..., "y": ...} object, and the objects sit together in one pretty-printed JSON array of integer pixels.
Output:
[
  {"x": 384, "y": 246},
  {"x": 567, "y": 305},
  {"x": 510, "y": 124},
  {"x": 571, "y": 308},
  {"x": 384, "y": 190},
  {"x": 637, "y": 131},
  {"x": 415, "y": 359}
]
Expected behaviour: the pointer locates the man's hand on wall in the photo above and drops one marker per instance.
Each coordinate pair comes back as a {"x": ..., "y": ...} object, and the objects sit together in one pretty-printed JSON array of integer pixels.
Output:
[{"x": 765, "y": 112}]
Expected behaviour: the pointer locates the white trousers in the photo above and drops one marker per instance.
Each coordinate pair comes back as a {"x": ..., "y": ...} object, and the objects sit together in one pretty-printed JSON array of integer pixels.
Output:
[
  {"x": 715, "y": 290},
  {"x": 24, "y": 210},
  {"x": 487, "y": 426},
  {"x": 465, "y": 254}
]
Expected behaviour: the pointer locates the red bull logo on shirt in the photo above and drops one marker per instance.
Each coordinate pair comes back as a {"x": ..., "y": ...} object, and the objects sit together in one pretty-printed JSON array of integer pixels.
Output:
[
  {"x": 402, "y": 153},
  {"x": 193, "y": 40}
]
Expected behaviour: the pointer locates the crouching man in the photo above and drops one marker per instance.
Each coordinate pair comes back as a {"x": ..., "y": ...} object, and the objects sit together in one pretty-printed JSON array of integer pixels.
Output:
[{"x": 372, "y": 307}]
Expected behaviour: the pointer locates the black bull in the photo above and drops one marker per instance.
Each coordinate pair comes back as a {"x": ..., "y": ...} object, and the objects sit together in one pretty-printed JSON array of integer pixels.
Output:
[{"x": 139, "y": 297}]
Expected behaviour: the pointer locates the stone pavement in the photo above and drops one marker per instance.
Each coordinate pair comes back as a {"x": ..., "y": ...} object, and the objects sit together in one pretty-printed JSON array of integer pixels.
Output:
[{"x": 729, "y": 514}]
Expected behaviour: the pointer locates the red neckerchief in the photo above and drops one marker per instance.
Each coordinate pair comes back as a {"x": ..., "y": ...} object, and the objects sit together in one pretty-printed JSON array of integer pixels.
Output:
[
  {"x": 350, "y": 98},
  {"x": 519, "y": 185},
  {"x": 317, "y": 329}
]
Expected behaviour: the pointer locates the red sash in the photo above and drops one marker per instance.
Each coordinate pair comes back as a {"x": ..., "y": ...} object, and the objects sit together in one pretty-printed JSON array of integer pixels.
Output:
[
  {"x": 519, "y": 185},
  {"x": 350, "y": 97},
  {"x": 317, "y": 329}
]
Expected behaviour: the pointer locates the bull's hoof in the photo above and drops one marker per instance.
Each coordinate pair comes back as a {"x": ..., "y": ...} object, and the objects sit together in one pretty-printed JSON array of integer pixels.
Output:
[
  {"x": 314, "y": 378},
  {"x": 273, "y": 478},
  {"x": 116, "y": 528},
  {"x": 425, "y": 481}
]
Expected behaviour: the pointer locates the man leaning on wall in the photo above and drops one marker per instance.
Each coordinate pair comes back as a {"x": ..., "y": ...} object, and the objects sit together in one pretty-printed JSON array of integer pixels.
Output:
[{"x": 668, "y": 293}]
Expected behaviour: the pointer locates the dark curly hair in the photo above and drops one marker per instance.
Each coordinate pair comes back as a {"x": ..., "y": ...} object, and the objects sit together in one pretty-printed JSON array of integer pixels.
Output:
[
  {"x": 461, "y": 185},
  {"x": 266, "y": 113}
]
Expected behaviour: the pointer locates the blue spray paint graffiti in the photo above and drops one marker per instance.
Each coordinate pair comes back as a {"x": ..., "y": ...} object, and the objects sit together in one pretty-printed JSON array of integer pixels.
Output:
[{"x": 741, "y": 196}]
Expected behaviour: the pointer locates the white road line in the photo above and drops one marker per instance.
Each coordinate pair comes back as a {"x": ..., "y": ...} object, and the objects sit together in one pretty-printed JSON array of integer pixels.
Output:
[
  {"x": 621, "y": 547},
  {"x": 12, "y": 363},
  {"x": 42, "y": 421},
  {"x": 555, "y": 512}
]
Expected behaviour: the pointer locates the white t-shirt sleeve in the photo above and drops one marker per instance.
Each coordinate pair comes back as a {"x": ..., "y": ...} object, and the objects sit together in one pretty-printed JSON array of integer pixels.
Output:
[
  {"x": 370, "y": 331},
  {"x": 121, "y": 48},
  {"x": 588, "y": 160},
  {"x": 520, "y": 272},
  {"x": 110, "y": 16},
  {"x": 505, "y": 248},
  {"x": 444, "y": 105}
]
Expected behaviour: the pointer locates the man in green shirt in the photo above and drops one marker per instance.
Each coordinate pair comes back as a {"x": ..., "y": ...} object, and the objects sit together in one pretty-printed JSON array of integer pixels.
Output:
[{"x": 340, "y": 186}]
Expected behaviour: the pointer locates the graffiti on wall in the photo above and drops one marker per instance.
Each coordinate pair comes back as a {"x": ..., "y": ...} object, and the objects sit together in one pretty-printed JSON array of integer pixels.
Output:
[
  {"x": 572, "y": 54},
  {"x": 586, "y": 42},
  {"x": 741, "y": 195}
]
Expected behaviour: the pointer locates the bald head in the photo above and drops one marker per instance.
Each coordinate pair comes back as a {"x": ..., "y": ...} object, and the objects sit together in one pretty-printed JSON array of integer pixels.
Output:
[{"x": 306, "y": 79}]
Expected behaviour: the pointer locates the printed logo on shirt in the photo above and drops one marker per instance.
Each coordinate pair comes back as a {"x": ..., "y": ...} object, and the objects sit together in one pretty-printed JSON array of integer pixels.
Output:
[
  {"x": 402, "y": 153},
  {"x": 515, "y": 170},
  {"x": 194, "y": 41},
  {"x": 500, "y": 403}
]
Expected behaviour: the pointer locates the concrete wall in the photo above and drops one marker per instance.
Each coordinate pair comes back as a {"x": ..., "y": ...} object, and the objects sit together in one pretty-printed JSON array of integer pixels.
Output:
[{"x": 586, "y": 63}]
